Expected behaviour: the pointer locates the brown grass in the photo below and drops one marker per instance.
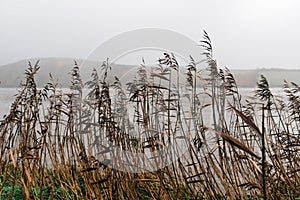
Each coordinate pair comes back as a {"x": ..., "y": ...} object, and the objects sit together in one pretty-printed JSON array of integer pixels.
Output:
[{"x": 53, "y": 142}]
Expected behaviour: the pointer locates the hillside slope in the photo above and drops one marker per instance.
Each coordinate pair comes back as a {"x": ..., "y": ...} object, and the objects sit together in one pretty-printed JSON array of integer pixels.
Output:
[{"x": 12, "y": 74}]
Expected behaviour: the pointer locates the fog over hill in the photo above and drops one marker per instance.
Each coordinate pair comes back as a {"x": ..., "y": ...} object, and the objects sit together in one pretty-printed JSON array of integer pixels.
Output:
[{"x": 12, "y": 74}]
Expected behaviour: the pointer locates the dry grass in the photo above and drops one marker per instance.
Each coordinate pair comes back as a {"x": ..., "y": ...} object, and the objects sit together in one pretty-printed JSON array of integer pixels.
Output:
[{"x": 53, "y": 143}]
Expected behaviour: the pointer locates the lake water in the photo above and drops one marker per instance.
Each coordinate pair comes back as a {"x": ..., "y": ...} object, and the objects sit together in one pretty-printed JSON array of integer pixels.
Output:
[{"x": 7, "y": 95}]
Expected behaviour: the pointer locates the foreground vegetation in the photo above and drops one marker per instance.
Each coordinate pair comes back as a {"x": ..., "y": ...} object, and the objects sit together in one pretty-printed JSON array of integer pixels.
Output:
[{"x": 53, "y": 142}]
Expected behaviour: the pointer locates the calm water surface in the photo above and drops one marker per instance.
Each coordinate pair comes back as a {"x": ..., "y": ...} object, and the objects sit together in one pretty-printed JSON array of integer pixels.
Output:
[{"x": 7, "y": 96}]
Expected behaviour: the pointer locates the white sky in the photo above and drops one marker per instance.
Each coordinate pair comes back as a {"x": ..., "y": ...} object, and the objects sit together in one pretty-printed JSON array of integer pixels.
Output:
[{"x": 245, "y": 33}]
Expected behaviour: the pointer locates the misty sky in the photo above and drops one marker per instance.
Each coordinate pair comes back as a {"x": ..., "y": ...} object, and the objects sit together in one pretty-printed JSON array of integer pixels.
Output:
[{"x": 245, "y": 33}]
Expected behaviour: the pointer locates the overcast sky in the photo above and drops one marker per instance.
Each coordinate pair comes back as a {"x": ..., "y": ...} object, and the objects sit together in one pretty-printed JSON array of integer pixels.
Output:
[{"x": 245, "y": 33}]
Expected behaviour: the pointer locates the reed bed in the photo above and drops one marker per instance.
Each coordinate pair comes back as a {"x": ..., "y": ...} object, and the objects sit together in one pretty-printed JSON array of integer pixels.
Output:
[{"x": 59, "y": 144}]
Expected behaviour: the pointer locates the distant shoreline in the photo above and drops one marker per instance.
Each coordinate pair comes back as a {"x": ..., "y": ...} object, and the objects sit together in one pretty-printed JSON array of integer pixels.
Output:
[{"x": 12, "y": 74}]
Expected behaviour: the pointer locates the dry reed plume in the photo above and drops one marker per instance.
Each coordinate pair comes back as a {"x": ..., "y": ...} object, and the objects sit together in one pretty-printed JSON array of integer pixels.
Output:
[{"x": 52, "y": 140}]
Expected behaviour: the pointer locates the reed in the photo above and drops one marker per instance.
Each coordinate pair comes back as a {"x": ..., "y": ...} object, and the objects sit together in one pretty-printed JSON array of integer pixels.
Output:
[{"x": 54, "y": 142}]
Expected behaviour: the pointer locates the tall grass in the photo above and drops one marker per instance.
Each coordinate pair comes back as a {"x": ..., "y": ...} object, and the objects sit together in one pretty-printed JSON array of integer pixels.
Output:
[{"x": 59, "y": 144}]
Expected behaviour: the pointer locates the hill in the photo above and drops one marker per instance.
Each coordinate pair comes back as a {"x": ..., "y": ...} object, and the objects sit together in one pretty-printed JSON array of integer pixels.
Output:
[
  {"x": 12, "y": 74},
  {"x": 275, "y": 77}
]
